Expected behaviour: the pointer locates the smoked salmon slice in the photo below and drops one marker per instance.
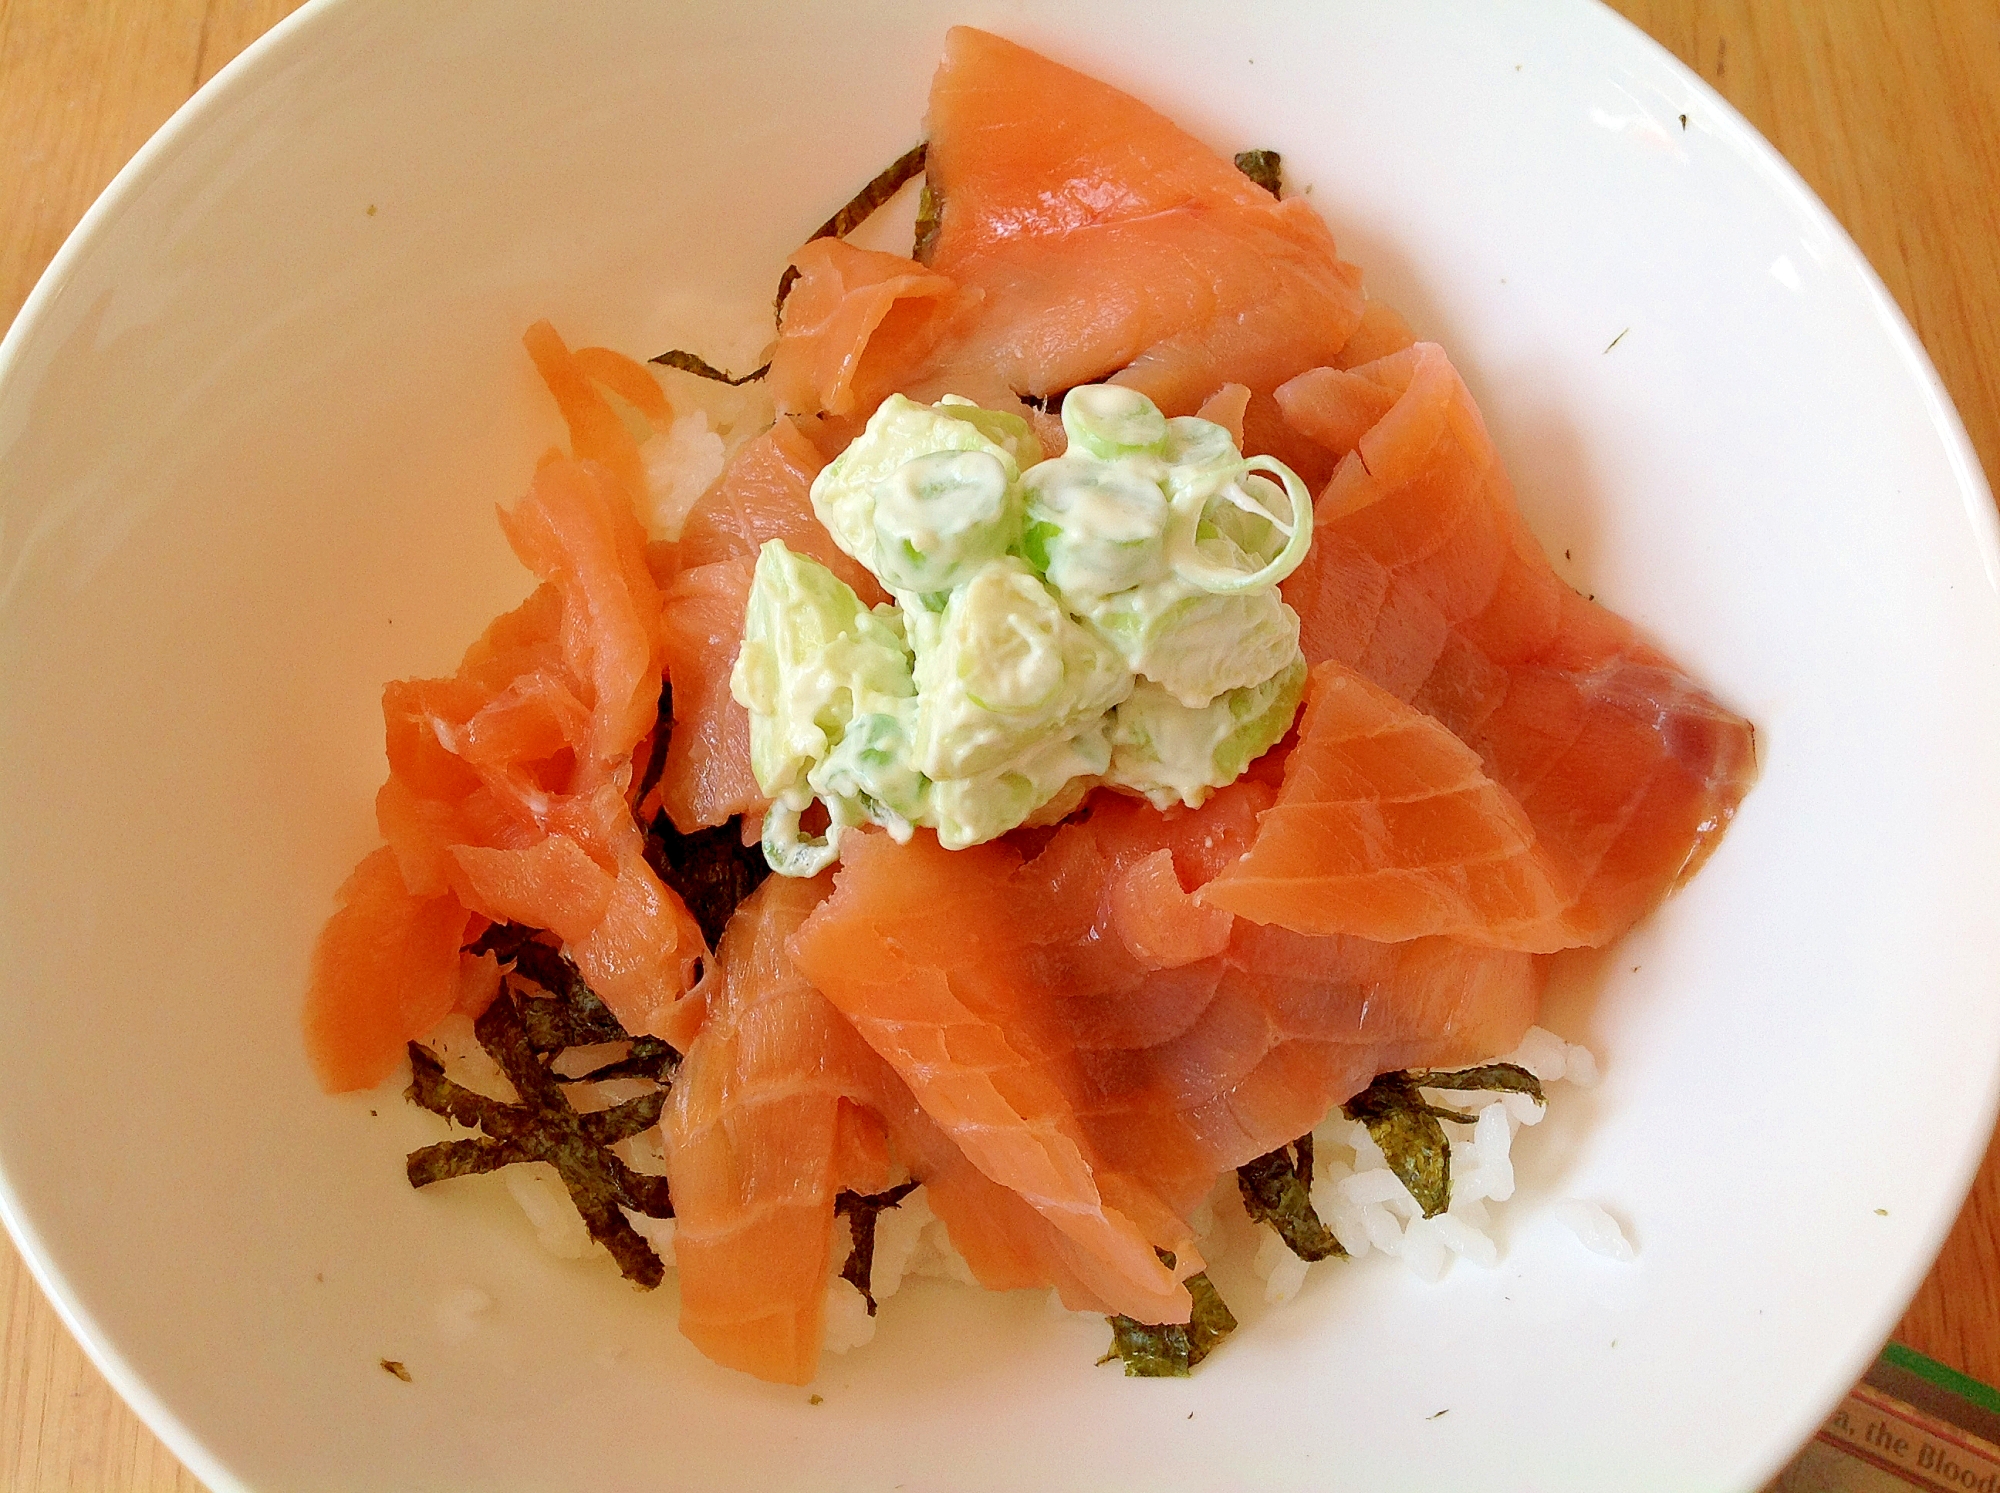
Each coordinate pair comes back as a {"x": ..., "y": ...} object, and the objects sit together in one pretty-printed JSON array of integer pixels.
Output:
[
  {"x": 1082, "y": 235},
  {"x": 1157, "y": 1079},
  {"x": 755, "y": 1128},
  {"x": 1182, "y": 1074},
  {"x": 506, "y": 792},
  {"x": 918, "y": 953},
  {"x": 597, "y": 432},
  {"x": 1105, "y": 238},
  {"x": 1387, "y": 827},
  {"x": 1103, "y": 235},
  {"x": 854, "y": 325},
  {"x": 385, "y": 971},
  {"x": 1423, "y": 578},
  {"x": 707, "y": 778},
  {"x": 766, "y": 493}
]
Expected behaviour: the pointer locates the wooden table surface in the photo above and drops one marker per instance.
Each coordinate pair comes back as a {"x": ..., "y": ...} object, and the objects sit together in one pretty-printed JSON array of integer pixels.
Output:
[{"x": 1889, "y": 108}]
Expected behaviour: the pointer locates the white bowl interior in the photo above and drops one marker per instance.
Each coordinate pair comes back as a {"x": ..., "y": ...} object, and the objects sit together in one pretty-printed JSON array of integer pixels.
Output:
[{"x": 252, "y": 431}]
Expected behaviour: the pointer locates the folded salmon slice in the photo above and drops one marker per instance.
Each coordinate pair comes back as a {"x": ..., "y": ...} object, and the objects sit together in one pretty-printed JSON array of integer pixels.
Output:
[
  {"x": 506, "y": 796},
  {"x": 765, "y": 494},
  {"x": 1022, "y": 1016},
  {"x": 1388, "y": 827},
  {"x": 1105, "y": 237},
  {"x": 918, "y": 951},
  {"x": 1181, "y": 1074},
  {"x": 707, "y": 778},
  {"x": 759, "y": 1132},
  {"x": 1082, "y": 235},
  {"x": 854, "y": 325},
  {"x": 1423, "y": 578},
  {"x": 385, "y": 971}
]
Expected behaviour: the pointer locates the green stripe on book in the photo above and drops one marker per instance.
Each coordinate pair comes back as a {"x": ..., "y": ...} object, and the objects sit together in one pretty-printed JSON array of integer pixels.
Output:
[{"x": 1949, "y": 1379}]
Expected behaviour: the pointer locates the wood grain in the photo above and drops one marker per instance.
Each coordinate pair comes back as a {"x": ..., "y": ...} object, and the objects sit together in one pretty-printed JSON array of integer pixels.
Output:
[{"x": 1888, "y": 108}]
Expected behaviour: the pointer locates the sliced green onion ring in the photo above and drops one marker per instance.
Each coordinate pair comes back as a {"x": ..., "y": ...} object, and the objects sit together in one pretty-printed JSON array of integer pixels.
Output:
[
  {"x": 1198, "y": 570},
  {"x": 790, "y": 855}
]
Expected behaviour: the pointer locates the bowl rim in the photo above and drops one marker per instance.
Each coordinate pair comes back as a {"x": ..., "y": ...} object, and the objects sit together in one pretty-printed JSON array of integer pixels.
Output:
[{"x": 269, "y": 51}]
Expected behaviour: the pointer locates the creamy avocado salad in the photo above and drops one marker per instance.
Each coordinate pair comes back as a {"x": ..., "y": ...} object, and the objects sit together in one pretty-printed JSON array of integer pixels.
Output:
[{"x": 1106, "y": 617}]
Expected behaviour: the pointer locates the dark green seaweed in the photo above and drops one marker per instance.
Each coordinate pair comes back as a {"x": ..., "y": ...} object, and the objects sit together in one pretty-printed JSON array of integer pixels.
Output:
[
  {"x": 663, "y": 730},
  {"x": 522, "y": 1031},
  {"x": 1492, "y": 1078},
  {"x": 711, "y": 870},
  {"x": 1278, "y": 1190},
  {"x": 862, "y": 1210},
  {"x": 694, "y": 363},
  {"x": 930, "y": 212},
  {"x": 887, "y": 183},
  {"x": 785, "y": 283},
  {"x": 1406, "y": 1127},
  {"x": 1261, "y": 166},
  {"x": 1412, "y": 1140},
  {"x": 1172, "y": 1351}
]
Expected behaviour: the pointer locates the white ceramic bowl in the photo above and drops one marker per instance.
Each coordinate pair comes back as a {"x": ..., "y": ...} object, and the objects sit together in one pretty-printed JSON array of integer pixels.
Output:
[{"x": 252, "y": 429}]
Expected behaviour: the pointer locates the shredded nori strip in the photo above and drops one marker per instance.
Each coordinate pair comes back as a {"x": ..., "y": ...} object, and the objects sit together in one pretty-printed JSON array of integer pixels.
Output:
[
  {"x": 502, "y": 940},
  {"x": 663, "y": 729},
  {"x": 785, "y": 283},
  {"x": 571, "y": 1014},
  {"x": 1412, "y": 1140},
  {"x": 859, "y": 209},
  {"x": 887, "y": 183},
  {"x": 521, "y": 1031},
  {"x": 1492, "y": 1078},
  {"x": 1261, "y": 166},
  {"x": 694, "y": 363},
  {"x": 1278, "y": 1190},
  {"x": 862, "y": 1211},
  {"x": 1406, "y": 1127},
  {"x": 930, "y": 213},
  {"x": 711, "y": 870},
  {"x": 1172, "y": 1351}
]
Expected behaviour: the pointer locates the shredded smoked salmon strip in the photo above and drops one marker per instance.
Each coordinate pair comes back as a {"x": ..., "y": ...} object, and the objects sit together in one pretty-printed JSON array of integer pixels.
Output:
[{"x": 385, "y": 970}]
